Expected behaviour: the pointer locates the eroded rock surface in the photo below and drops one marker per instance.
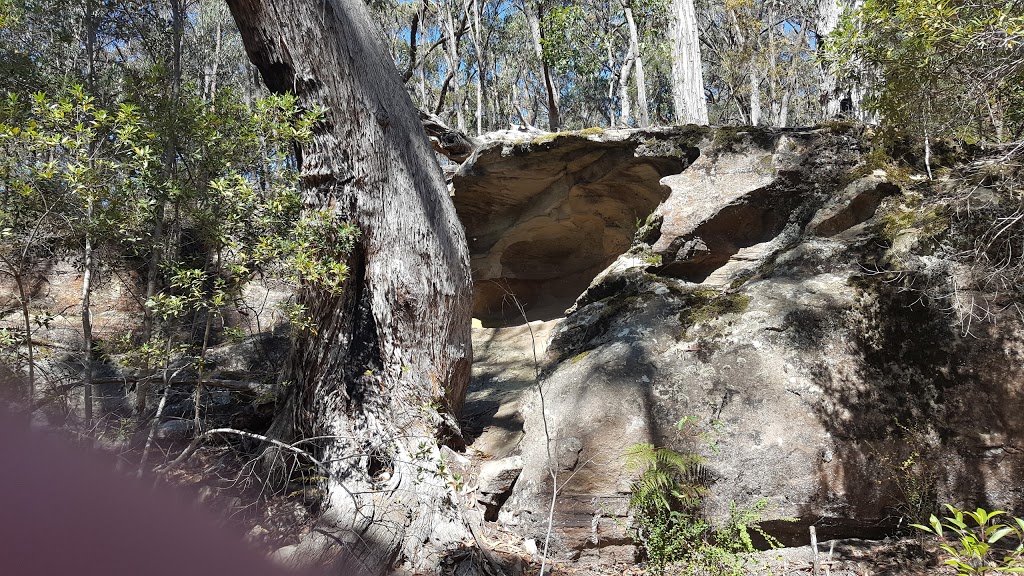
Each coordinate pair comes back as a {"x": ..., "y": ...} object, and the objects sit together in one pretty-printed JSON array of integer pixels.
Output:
[
  {"x": 755, "y": 297},
  {"x": 544, "y": 216}
]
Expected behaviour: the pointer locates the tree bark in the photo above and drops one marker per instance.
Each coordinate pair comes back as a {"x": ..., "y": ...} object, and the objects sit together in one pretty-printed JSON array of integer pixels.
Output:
[
  {"x": 17, "y": 273},
  {"x": 476, "y": 35},
  {"x": 625, "y": 104},
  {"x": 87, "y": 342},
  {"x": 642, "y": 118},
  {"x": 687, "y": 73},
  {"x": 611, "y": 86},
  {"x": 534, "y": 11},
  {"x": 830, "y": 94},
  {"x": 92, "y": 30},
  {"x": 384, "y": 373},
  {"x": 452, "y": 58},
  {"x": 755, "y": 93}
]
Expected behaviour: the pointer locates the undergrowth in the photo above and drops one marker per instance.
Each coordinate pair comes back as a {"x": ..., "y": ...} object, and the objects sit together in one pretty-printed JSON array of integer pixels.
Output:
[
  {"x": 668, "y": 523},
  {"x": 977, "y": 542}
]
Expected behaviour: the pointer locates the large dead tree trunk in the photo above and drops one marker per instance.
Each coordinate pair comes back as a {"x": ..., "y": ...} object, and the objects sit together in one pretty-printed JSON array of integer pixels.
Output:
[{"x": 385, "y": 371}]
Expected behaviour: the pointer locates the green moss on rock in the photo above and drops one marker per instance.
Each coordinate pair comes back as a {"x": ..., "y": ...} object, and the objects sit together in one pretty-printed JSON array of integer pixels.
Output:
[
  {"x": 913, "y": 216},
  {"x": 707, "y": 305},
  {"x": 580, "y": 356},
  {"x": 650, "y": 230}
]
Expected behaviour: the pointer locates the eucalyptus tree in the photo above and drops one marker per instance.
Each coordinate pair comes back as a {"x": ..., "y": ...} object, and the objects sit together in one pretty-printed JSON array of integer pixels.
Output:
[
  {"x": 939, "y": 69},
  {"x": 760, "y": 61},
  {"x": 689, "y": 102},
  {"x": 825, "y": 23},
  {"x": 536, "y": 11},
  {"x": 575, "y": 40},
  {"x": 634, "y": 63},
  {"x": 384, "y": 371}
]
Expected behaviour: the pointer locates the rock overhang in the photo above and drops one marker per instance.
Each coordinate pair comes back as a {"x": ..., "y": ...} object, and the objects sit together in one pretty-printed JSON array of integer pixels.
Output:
[{"x": 544, "y": 216}]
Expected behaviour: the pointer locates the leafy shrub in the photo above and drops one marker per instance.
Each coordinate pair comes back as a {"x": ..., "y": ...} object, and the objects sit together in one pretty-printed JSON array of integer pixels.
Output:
[{"x": 979, "y": 547}]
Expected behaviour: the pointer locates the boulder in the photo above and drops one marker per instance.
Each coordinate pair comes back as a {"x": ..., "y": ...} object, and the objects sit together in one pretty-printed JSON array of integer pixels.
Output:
[
  {"x": 496, "y": 479},
  {"x": 751, "y": 302}
]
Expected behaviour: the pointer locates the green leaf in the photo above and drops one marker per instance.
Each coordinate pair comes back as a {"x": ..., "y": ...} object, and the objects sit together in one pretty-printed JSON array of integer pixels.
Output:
[{"x": 997, "y": 534}]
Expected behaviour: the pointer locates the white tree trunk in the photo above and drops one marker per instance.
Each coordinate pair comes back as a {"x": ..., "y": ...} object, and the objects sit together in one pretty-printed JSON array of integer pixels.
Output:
[
  {"x": 687, "y": 73},
  {"x": 611, "y": 87},
  {"x": 642, "y": 118},
  {"x": 625, "y": 103},
  {"x": 755, "y": 93},
  {"x": 481, "y": 62},
  {"x": 87, "y": 342},
  {"x": 827, "y": 19}
]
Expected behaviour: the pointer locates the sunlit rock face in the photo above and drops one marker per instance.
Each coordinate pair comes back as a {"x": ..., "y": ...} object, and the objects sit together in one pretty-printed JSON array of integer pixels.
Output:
[{"x": 767, "y": 292}]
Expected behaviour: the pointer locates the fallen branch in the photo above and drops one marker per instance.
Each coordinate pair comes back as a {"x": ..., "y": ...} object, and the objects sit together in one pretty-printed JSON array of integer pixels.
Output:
[
  {"x": 451, "y": 143},
  {"x": 222, "y": 384},
  {"x": 195, "y": 444},
  {"x": 187, "y": 453}
]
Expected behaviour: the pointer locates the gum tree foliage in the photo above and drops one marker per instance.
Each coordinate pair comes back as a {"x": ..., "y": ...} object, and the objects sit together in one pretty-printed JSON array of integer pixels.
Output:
[
  {"x": 759, "y": 62},
  {"x": 87, "y": 82},
  {"x": 939, "y": 67}
]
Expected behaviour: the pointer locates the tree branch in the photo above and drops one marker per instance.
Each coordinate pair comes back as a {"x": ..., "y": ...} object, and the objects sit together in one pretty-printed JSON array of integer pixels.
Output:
[{"x": 453, "y": 144}]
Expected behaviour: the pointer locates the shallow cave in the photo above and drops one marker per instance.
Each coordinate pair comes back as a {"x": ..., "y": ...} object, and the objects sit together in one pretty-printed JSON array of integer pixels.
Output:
[{"x": 541, "y": 227}]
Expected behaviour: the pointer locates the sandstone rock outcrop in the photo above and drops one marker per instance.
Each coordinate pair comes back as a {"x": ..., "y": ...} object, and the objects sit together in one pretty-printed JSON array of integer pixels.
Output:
[{"x": 759, "y": 296}]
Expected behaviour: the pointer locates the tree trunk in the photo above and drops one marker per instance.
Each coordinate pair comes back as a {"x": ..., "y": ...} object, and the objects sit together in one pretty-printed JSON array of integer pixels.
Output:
[
  {"x": 169, "y": 160},
  {"x": 687, "y": 73},
  {"x": 23, "y": 300},
  {"x": 790, "y": 83},
  {"x": 755, "y": 93},
  {"x": 385, "y": 371},
  {"x": 215, "y": 67},
  {"x": 642, "y": 118},
  {"x": 830, "y": 94},
  {"x": 92, "y": 30},
  {"x": 625, "y": 104},
  {"x": 17, "y": 272},
  {"x": 87, "y": 266},
  {"x": 452, "y": 59},
  {"x": 532, "y": 10},
  {"x": 481, "y": 62},
  {"x": 611, "y": 87}
]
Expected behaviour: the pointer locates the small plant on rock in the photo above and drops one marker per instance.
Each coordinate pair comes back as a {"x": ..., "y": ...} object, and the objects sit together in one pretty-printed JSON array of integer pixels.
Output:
[
  {"x": 977, "y": 543},
  {"x": 665, "y": 504}
]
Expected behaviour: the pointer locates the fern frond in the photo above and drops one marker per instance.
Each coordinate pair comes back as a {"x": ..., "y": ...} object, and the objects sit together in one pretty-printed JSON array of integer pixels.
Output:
[{"x": 640, "y": 456}]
